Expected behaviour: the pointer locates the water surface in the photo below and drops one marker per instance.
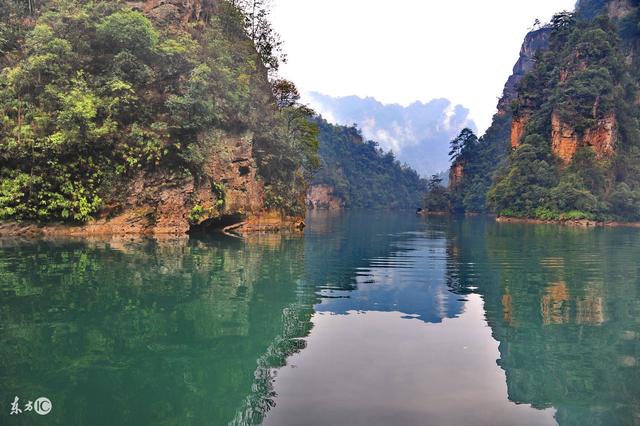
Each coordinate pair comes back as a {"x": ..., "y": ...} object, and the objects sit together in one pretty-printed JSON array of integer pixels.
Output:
[{"x": 370, "y": 319}]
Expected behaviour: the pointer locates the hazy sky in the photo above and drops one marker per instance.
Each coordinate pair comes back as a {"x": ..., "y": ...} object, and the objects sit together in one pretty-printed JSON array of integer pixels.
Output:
[{"x": 401, "y": 51}]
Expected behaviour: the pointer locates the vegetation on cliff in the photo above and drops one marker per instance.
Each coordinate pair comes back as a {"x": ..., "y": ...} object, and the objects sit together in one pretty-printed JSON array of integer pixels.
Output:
[
  {"x": 94, "y": 93},
  {"x": 575, "y": 141},
  {"x": 363, "y": 175}
]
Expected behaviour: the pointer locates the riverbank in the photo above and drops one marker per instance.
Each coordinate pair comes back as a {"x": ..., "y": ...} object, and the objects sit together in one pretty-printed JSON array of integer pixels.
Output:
[
  {"x": 585, "y": 223},
  {"x": 142, "y": 225}
]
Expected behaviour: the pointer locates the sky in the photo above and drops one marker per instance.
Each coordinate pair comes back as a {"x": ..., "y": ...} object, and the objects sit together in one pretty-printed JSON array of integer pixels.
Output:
[{"x": 403, "y": 51}]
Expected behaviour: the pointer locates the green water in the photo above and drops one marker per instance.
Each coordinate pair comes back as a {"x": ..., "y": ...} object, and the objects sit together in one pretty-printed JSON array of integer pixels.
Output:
[{"x": 370, "y": 319}]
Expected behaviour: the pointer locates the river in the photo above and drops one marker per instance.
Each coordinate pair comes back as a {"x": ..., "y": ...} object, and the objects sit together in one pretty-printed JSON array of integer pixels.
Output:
[{"x": 371, "y": 318}]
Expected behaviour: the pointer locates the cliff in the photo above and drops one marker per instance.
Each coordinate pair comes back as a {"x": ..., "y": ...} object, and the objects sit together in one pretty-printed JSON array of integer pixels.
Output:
[
  {"x": 565, "y": 140},
  {"x": 456, "y": 174},
  {"x": 153, "y": 117},
  {"x": 533, "y": 42},
  {"x": 322, "y": 197},
  {"x": 570, "y": 111}
]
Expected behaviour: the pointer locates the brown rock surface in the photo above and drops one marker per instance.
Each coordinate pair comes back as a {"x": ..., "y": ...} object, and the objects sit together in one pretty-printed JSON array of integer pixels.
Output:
[
  {"x": 534, "y": 41},
  {"x": 618, "y": 9},
  {"x": 518, "y": 125},
  {"x": 322, "y": 197},
  {"x": 162, "y": 204},
  {"x": 603, "y": 137},
  {"x": 565, "y": 141},
  {"x": 165, "y": 203},
  {"x": 231, "y": 164},
  {"x": 456, "y": 174}
]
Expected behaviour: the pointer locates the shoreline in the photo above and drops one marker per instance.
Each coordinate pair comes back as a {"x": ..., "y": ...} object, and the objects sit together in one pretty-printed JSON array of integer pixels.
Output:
[
  {"x": 266, "y": 222},
  {"x": 582, "y": 223}
]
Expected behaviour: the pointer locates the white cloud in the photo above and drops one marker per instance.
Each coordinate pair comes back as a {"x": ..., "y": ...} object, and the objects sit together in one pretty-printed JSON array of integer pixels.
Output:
[{"x": 408, "y": 50}]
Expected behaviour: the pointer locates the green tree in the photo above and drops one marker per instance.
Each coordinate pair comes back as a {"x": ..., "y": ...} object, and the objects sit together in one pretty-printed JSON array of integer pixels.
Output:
[{"x": 436, "y": 198}]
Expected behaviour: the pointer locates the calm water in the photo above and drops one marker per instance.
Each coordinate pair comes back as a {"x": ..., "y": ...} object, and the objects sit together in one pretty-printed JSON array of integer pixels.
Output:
[{"x": 370, "y": 319}]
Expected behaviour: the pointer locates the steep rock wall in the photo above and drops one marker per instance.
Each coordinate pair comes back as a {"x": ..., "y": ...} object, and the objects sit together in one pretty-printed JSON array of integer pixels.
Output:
[
  {"x": 533, "y": 41},
  {"x": 165, "y": 202},
  {"x": 322, "y": 197},
  {"x": 565, "y": 141},
  {"x": 157, "y": 203},
  {"x": 619, "y": 9},
  {"x": 456, "y": 174},
  {"x": 518, "y": 126}
]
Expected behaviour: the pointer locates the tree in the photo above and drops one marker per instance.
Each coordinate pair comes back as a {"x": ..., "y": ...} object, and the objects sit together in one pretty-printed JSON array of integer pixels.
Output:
[
  {"x": 436, "y": 198},
  {"x": 95, "y": 93},
  {"x": 258, "y": 27},
  {"x": 285, "y": 92},
  {"x": 287, "y": 150},
  {"x": 462, "y": 146}
]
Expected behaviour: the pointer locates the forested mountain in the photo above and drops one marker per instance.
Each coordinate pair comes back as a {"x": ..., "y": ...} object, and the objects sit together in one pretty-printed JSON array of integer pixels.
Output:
[
  {"x": 147, "y": 116},
  {"x": 357, "y": 173},
  {"x": 418, "y": 134},
  {"x": 566, "y": 140}
]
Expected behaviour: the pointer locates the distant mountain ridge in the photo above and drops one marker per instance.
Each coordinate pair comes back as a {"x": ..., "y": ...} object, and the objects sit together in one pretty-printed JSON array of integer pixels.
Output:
[
  {"x": 356, "y": 173},
  {"x": 418, "y": 134}
]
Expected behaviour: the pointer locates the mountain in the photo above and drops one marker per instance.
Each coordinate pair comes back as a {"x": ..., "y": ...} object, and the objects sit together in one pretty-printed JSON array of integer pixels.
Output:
[
  {"x": 356, "y": 173},
  {"x": 147, "y": 117},
  {"x": 565, "y": 143},
  {"x": 418, "y": 134}
]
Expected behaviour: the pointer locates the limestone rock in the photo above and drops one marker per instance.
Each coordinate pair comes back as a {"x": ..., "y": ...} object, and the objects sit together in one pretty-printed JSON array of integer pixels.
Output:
[
  {"x": 322, "y": 197},
  {"x": 565, "y": 141}
]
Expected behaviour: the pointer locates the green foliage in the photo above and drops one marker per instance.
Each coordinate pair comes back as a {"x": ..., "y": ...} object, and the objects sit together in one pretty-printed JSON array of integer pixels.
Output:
[
  {"x": 626, "y": 202},
  {"x": 436, "y": 198},
  {"x": 478, "y": 158},
  {"x": 582, "y": 79},
  {"x": 463, "y": 146},
  {"x": 287, "y": 150},
  {"x": 198, "y": 212},
  {"x": 523, "y": 183},
  {"x": 362, "y": 174},
  {"x": 258, "y": 27},
  {"x": 94, "y": 93},
  {"x": 127, "y": 30}
]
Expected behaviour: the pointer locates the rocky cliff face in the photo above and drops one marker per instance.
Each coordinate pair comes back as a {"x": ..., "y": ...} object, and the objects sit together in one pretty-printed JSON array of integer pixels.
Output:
[
  {"x": 518, "y": 125},
  {"x": 618, "y": 9},
  {"x": 322, "y": 197},
  {"x": 226, "y": 192},
  {"x": 456, "y": 174},
  {"x": 534, "y": 41},
  {"x": 565, "y": 141},
  {"x": 230, "y": 194}
]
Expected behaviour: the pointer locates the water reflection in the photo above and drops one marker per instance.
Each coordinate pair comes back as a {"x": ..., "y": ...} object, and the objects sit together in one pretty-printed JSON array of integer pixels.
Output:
[
  {"x": 564, "y": 304},
  {"x": 561, "y": 306},
  {"x": 148, "y": 332},
  {"x": 372, "y": 318},
  {"x": 386, "y": 265}
]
